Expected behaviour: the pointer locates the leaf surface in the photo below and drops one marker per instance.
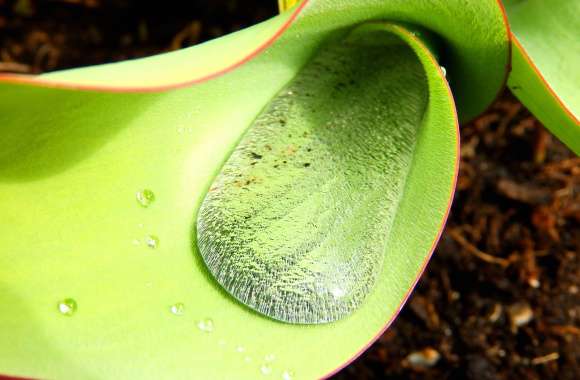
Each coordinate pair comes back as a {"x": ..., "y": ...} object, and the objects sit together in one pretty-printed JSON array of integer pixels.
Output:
[
  {"x": 79, "y": 147},
  {"x": 546, "y": 63}
]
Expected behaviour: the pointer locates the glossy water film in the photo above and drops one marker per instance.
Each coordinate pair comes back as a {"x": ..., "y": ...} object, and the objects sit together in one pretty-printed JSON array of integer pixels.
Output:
[{"x": 297, "y": 222}]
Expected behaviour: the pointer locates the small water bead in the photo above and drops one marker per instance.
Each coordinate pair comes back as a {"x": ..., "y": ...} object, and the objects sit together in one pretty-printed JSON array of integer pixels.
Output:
[
  {"x": 152, "y": 241},
  {"x": 444, "y": 71},
  {"x": 136, "y": 242},
  {"x": 270, "y": 357},
  {"x": 67, "y": 307},
  {"x": 265, "y": 369},
  {"x": 145, "y": 197},
  {"x": 287, "y": 375},
  {"x": 205, "y": 325},
  {"x": 248, "y": 359},
  {"x": 177, "y": 309},
  {"x": 240, "y": 349},
  {"x": 222, "y": 342}
]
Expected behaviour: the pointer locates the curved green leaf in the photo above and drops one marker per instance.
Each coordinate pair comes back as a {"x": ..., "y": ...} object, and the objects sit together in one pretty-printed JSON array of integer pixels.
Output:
[
  {"x": 74, "y": 165},
  {"x": 546, "y": 63},
  {"x": 474, "y": 60}
]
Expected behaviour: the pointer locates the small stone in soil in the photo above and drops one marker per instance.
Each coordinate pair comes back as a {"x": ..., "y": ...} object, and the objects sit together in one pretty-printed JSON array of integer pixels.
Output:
[
  {"x": 425, "y": 358},
  {"x": 520, "y": 315},
  {"x": 495, "y": 313}
]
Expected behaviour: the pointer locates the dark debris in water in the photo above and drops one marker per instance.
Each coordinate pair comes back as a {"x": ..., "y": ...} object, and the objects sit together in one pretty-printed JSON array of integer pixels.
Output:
[{"x": 256, "y": 156}]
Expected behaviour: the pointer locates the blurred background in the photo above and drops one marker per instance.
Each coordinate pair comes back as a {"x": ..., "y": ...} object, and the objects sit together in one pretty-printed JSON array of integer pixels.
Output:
[{"x": 500, "y": 298}]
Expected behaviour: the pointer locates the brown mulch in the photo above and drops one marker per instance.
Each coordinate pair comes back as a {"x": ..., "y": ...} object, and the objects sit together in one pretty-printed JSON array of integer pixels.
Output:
[{"x": 500, "y": 299}]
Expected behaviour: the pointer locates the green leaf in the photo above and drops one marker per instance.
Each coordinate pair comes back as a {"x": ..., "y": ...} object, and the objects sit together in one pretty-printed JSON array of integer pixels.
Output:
[
  {"x": 546, "y": 63},
  {"x": 100, "y": 187},
  {"x": 477, "y": 61}
]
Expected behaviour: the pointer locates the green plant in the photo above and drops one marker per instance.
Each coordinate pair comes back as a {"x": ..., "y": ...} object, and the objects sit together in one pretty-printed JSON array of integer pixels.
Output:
[
  {"x": 103, "y": 171},
  {"x": 545, "y": 63}
]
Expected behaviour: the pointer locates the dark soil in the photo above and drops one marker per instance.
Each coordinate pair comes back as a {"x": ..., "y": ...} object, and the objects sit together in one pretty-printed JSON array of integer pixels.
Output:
[{"x": 500, "y": 299}]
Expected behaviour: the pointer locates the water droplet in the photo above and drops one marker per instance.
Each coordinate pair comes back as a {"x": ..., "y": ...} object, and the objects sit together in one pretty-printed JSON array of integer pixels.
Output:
[
  {"x": 270, "y": 357},
  {"x": 152, "y": 241},
  {"x": 177, "y": 309},
  {"x": 136, "y": 242},
  {"x": 180, "y": 130},
  {"x": 145, "y": 197},
  {"x": 287, "y": 375},
  {"x": 265, "y": 369},
  {"x": 205, "y": 325},
  {"x": 359, "y": 157},
  {"x": 444, "y": 71},
  {"x": 222, "y": 342},
  {"x": 248, "y": 359},
  {"x": 67, "y": 307},
  {"x": 240, "y": 349}
]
